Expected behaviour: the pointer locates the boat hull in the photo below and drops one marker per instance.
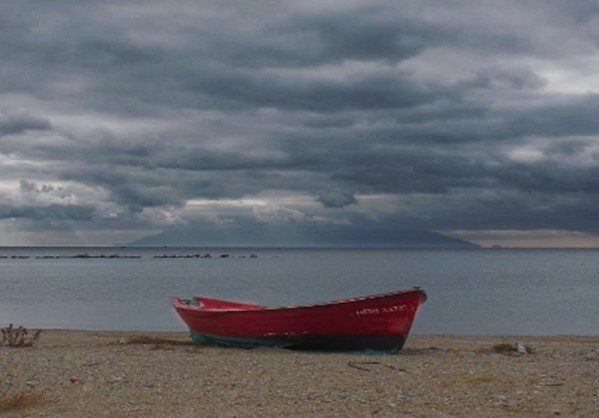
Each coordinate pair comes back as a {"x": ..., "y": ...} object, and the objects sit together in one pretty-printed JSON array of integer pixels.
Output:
[
  {"x": 379, "y": 322},
  {"x": 324, "y": 342}
]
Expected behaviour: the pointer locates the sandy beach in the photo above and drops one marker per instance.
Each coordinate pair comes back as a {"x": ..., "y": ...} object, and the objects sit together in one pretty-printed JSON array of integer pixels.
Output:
[{"x": 141, "y": 374}]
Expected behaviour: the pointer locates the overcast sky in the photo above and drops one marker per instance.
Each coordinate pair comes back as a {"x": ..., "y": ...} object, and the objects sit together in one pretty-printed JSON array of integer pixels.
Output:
[{"x": 477, "y": 119}]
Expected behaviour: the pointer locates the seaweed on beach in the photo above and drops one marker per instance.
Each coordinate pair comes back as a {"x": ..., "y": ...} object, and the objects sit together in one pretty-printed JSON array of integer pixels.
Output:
[
  {"x": 510, "y": 349},
  {"x": 20, "y": 400},
  {"x": 19, "y": 337},
  {"x": 154, "y": 341}
]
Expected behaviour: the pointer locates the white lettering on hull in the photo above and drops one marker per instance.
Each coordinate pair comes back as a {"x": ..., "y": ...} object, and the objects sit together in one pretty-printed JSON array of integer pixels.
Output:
[{"x": 381, "y": 311}]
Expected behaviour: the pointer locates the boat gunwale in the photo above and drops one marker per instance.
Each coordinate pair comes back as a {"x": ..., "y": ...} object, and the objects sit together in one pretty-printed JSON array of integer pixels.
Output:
[{"x": 179, "y": 304}]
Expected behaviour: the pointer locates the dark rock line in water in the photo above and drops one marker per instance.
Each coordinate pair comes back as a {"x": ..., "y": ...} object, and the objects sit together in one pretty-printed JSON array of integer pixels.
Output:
[{"x": 114, "y": 256}]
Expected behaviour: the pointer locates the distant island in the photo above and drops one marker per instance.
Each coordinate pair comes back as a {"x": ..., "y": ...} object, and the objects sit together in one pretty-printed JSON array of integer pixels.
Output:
[{"x": 267, "y": 235}]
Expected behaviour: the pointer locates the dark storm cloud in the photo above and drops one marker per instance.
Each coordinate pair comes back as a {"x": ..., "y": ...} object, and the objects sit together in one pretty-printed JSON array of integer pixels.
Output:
[
  {"x": 368, "y": 93},
  {"x": 506, "y": 210},
  {"x": 309, "y": 38},
  {"x": 11, "y": 124},
  {"x": 365, "y": 33},
  {"x": 50, "y": 212},
  {"x": 449, "y": 109},
  {"x": 334, "y": 198},
  {"x": 569, "y": 117},
  {"x": 203, "y": 69}
]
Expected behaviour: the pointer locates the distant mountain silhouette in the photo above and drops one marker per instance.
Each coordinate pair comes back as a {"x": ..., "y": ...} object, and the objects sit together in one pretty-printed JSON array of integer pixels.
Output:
[{"x": 258, "y": 234}]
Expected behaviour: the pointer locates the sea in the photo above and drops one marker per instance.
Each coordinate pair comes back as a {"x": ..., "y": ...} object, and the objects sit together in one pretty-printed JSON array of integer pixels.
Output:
[{"x": 470, "y": 291}]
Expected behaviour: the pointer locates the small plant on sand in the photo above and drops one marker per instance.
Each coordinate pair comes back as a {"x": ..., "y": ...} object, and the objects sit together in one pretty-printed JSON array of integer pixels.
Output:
[{"x": 19, "y": 337}]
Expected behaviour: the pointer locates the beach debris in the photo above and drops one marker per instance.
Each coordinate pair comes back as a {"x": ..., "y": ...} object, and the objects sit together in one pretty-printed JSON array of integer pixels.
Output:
[
  {"x": 517, "y": 348},
  {"x": 521, "y": 348},
  {"x": 151, "y": 340},
  {"x": 503, "y": 401},
  {"x": 117, "y": 378},
  {"x": 123, "y": 341},
  {"x": 155, "y": 343},
  {"x": 21, "y": 400},
  {"x": 73, "y": 379},
  {"x": 360, "y": 365},
  {"x": 19, "y": 337},
  {"x": 553, "y": 384}
]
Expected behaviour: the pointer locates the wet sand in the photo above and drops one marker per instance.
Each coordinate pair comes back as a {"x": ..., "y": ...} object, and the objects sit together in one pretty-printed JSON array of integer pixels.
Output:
[{"x": 142, "y": 374}]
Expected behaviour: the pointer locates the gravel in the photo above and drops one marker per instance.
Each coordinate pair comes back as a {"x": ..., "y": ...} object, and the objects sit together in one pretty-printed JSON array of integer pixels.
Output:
[{"x": 140, "y": 374}]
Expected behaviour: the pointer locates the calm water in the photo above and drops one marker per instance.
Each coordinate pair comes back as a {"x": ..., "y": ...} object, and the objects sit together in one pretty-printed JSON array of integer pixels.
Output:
[{"x": 470, "y": 291}]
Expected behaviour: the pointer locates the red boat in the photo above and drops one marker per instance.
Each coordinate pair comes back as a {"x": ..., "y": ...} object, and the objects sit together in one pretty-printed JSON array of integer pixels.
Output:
[{"x": 378, "y": 322}]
